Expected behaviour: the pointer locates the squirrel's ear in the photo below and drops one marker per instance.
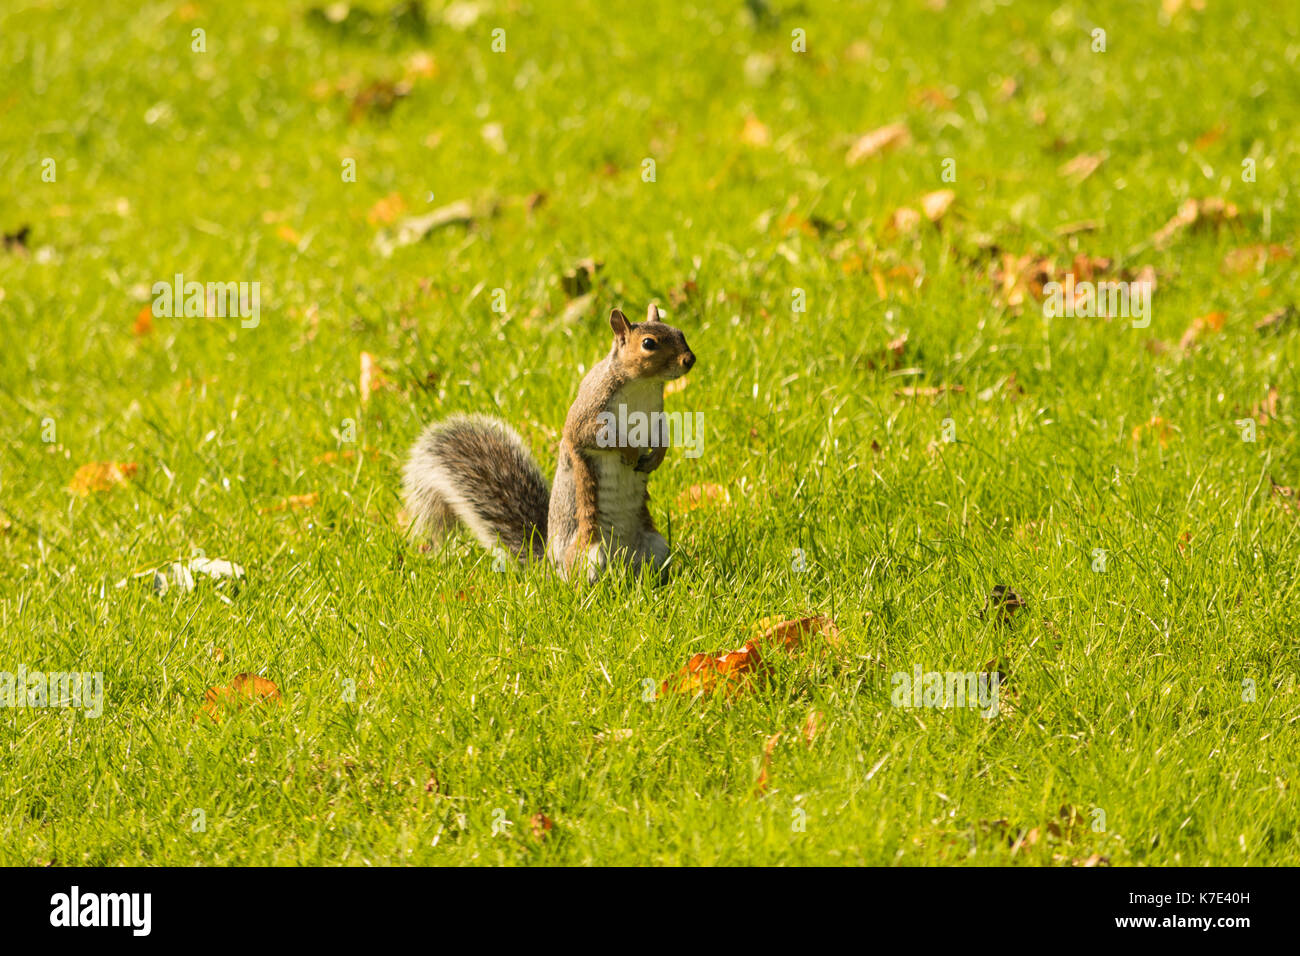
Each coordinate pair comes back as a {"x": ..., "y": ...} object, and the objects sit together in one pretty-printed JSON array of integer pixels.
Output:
[
  {"x": 652, "y": 313},
  {"x": 619, "y": 323}
]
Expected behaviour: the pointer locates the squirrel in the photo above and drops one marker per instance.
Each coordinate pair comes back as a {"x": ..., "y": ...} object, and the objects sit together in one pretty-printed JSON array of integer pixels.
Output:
[{"x": 477, "y": 470}]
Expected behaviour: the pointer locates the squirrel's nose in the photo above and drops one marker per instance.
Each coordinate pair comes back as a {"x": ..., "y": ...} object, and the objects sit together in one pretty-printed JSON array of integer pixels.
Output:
[{"x": 688, "y": 360}]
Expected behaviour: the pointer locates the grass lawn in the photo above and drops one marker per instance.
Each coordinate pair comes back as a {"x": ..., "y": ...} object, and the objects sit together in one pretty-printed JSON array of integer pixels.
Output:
[{"x": 432, "y": 710}]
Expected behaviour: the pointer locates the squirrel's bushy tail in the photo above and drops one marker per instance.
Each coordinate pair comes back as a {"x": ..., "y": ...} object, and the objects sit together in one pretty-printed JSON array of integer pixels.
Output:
[{"x": 476, "y": 469}]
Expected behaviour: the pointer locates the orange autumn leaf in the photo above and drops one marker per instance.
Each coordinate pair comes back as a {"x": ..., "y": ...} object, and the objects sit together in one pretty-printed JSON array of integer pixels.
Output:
[
  {"x": 292, "y": 503},
  {"x": 243, "y": 690},
  {"x": 1156, "y": 426},
  {"x": 729, "y": 671},
  {"x": 386, "y": 210},
  {"x": 697, "y": 496},
  {"x": 143, "y": 322},
  {"x": 1211, "y": 322},
  {"x": 877, "y": 141},
  {"x": 102, "y": 476},
  {"x": 288, "y": 234}
]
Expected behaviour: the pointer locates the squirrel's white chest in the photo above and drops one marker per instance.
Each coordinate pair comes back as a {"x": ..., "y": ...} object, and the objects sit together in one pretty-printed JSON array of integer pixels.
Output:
[{"x": 620, "y": 487}]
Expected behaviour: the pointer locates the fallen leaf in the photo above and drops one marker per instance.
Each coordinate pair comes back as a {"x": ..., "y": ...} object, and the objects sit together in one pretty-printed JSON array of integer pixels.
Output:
[
  {"x": 143, "y": 322},
  {"x": 292, "y": 503},
  {"x": 243, "y": 690},
  {"x": 700, "y": 495},
  {"x": 728, "y": 671},
  {"x": 876, "y": 141},
  {"x": 812, "y": 726},
  {"x": 102, "y": 476},
  {"x": 1082, "y": 166},
  {"x": 1211, "y": 135},
  {"x": 386, "y": 210},
  {"x": 1246, "y": 259},
  {"x": 755, "y": 132},
  {"x": 935, "y": 205},
  {"x": 904, "y": 222},
  {"x": 540, "y": 825},
  {"x": 1265, "y": 410},
  {"x": 769, "y": 745},
  {"x": 927, "y": 391},
  {"x": 1276, "y": 321},
  {"x": 789, "y": 635},
  {"x": 1211, "y": 321},
  {"x": 1212, "y": 212},
  {"x": 1157, "y": 426}
]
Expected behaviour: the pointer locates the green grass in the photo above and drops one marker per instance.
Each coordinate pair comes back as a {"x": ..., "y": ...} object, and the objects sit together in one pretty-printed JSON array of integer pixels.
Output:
[{"x": 1125, "y": 691}]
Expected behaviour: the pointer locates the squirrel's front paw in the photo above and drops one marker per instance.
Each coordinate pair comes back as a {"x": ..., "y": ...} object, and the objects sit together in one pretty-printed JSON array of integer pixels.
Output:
[{"x": 652, "y": 459}]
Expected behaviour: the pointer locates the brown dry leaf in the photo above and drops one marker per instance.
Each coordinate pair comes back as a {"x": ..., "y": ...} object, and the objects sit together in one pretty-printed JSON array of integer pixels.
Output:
[
  {"x": 755, "y": 132},
  {"x": 935, "y": 205},
  {"x": 891, "y": 357},
  {"x": 769, "y": 745},
  {"x": 789, "y": 635},
  {"x": 1265, "y": 410},
  {"x": 244, "y": 689},
  {"x": 812, "y": 727},
  {"x": 904, "y": 221},
  {"x": 1252, "y": 258},
  {"x": 1287, "y": 496},
  {"x": 878, "y": 140},
  {"x": 1213, "y": 211},
  {"x": 378, "y": 97},
  {"x": 386, "y": 210},
  {"x": 540, "y": 825},
  {"x": 102, "y": 476},
  {"x": 927, "y": 391},
  {"x": 292, "y": 503},
  {"x": 1082, "y": 166},
  {"x": 1156, "y": 426},
  {"x": 697, "y": 496},
  {"x": 1211, "y": 321},
  {"x": 729, "y": 671},
  {"x": 143, "y": 322},
  {"x": 1276, "y": 321}
]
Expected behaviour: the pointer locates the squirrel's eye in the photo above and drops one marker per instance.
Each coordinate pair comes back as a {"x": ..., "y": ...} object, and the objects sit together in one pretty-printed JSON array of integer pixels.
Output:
[{"x": 649, "y": 344}]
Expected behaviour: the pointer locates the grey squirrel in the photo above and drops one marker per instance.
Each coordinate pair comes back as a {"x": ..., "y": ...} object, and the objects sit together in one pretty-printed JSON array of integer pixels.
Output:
[{"x": 477, "y": 470}]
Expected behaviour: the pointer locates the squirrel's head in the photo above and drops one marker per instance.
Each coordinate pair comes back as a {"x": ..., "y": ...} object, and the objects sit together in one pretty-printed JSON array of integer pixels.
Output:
[{"x": 650, "y": 349}]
